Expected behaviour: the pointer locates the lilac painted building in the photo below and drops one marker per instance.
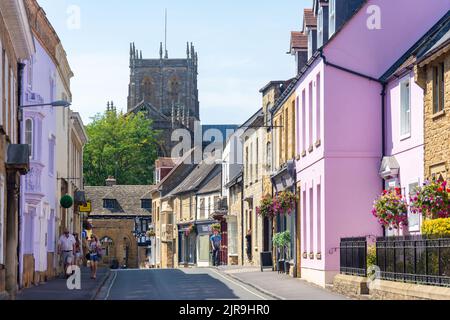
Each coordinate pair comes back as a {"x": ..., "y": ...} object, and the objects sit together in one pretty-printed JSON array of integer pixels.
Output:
[
  {"x": 38, "y": 192},
  {"x": 340, "y": 127}
]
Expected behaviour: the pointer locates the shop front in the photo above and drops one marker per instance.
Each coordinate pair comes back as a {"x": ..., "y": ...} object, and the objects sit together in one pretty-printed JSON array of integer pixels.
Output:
[
  {"x": 187, "y": 243},
  {"x": 204, "y": 251},
  {"x": 285, "y": 224}
]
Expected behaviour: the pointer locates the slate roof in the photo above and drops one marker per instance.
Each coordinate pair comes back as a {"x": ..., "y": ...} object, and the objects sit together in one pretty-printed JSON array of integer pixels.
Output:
[
  {"x": 429, "y": 42},
  {"x": 197, "y": 178},
  {"x": 213, "y": 185},
  {"x": 128, "y": 199}
]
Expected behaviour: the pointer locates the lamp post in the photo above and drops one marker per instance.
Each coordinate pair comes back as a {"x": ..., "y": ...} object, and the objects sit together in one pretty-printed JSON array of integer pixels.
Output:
[{"x": 58, "y": 103}]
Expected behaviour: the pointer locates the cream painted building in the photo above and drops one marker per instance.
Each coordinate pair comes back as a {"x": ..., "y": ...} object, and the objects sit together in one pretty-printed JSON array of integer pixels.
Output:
[{"x": 253, "y": 138}]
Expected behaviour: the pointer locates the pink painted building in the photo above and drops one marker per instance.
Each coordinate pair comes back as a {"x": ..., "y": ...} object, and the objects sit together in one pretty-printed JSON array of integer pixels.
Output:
[{"x": 340, "y": 124}]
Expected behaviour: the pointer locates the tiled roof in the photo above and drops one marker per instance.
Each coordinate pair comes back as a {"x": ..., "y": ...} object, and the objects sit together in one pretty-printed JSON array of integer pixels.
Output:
[
  {"x": 299, "y": 40},
  {"x": 166, "y": 162},
  {"x": 128, "y": 199},
  {"x": 309, "y": 20}
]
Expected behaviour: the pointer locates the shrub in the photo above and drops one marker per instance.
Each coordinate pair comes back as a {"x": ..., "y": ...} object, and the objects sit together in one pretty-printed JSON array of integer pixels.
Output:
[
  {"x": 371, "y": 256},
  {"x": 437, "y": 227}
]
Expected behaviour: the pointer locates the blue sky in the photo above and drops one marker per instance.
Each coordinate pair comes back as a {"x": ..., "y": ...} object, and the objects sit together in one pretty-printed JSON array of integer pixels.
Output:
[{"x": 241, "y": 45}]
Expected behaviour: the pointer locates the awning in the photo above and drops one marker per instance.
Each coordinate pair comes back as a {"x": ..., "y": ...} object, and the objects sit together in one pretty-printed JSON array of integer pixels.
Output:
[{"x": 390, "y": 168}]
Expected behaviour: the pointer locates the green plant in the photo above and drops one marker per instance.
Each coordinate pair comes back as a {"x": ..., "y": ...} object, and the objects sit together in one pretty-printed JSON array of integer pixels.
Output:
[
  {"x": 282, "y": 239},
  {"x": 436, "y": 227},
  {"x": 391, "y": 209},
  {"x": 66, "y": 201}
]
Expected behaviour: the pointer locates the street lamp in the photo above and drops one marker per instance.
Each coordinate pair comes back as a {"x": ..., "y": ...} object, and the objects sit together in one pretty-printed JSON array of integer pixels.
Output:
[{"x": 58, "y": 103}]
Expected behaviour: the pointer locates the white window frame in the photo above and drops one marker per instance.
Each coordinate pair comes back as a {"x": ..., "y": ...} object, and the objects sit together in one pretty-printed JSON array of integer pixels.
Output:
[
  {"x": 310, "y": 42},
  {"x": 31, "y": 144},
  {"x": 320, "y": 28},
  {"x": 403, "y": 134},
  {"x": 332, "y": 18},
  {"x": 2, "y": 218}
]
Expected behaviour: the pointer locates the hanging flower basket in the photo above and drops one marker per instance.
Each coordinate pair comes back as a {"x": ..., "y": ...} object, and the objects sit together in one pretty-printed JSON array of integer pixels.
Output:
[
  {"x": 87, "y": 225},
  {"x": 66, "y": 201},
  {"x": 285, "y": 203},
  {"x": 216, "y": 226},
  {"x": 391, "y": 209},
  {"x": 151, "y": 234},
  {"x": 432, "y": 200},
  {"x": 191, "y": 229},
  {"x": 266, "y": 208}
]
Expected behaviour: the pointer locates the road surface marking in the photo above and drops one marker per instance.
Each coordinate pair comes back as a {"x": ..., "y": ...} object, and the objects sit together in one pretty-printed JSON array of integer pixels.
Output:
[
  {"x": 238, "y": 284},
  {"x": 111, "y": 285}
]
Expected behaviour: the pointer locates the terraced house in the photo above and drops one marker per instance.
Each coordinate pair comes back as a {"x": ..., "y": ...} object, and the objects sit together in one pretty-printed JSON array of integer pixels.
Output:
[{"x": 16, "y": 44}]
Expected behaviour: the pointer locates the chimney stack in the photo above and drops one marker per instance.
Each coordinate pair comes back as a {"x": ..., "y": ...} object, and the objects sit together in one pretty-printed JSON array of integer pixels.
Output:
[{"x": 111, "y": 181}]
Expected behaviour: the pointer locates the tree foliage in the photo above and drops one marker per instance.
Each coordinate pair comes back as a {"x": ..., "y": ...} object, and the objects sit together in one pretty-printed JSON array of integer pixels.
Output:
[{"x": 123, "y": 146}]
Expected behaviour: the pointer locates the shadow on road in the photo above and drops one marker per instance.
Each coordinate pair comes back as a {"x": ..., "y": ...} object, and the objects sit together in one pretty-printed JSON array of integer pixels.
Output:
[{"x": 169, "y": 284}]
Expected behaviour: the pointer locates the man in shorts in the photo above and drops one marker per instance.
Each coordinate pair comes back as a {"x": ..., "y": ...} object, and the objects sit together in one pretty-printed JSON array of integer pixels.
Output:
[{"x": 66, "y": 249}]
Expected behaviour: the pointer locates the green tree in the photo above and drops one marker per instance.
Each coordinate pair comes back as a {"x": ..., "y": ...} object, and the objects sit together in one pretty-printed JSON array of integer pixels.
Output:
[{"x": 123, "y": 146}]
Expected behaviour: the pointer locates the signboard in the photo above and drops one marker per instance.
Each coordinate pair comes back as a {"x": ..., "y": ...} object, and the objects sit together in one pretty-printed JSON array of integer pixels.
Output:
[
  {"x": 87, "y": 207},
  {"x": 266, "y": 261}
]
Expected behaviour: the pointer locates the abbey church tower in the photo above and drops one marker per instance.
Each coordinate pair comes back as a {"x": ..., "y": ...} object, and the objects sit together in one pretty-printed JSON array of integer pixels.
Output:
[{"x": 166, "y": 89}]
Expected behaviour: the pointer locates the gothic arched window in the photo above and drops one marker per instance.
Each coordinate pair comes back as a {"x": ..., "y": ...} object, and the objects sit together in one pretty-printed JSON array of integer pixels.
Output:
[
  {"x": 146, "y": 89},
  {"x": 174, "y": 89}
]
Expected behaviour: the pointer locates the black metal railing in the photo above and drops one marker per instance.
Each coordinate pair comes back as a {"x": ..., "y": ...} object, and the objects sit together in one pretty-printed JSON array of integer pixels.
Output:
[
  {"x": 353, "y": 256},
  {"x": 414, "y": 259}
]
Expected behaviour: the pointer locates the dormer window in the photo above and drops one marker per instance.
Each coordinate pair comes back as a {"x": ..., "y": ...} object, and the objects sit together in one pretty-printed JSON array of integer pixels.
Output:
[
  {"x": 109, "y": 203},
  {"x": 146, "y": 204},
  {"x": 320, "y": 28},
  {"x": 332, "y": 13}
]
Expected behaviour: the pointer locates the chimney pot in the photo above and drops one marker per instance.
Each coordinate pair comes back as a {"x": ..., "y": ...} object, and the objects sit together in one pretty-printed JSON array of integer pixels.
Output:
[{"x": 111, "y": 181}]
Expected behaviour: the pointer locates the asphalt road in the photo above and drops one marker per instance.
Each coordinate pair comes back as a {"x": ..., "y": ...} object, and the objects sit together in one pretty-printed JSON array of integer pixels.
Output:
[{"x": 176, "y": 284}]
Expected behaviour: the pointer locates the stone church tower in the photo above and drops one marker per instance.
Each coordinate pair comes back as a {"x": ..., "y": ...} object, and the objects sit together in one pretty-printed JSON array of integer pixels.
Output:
[{"x": 166, "y": 89}]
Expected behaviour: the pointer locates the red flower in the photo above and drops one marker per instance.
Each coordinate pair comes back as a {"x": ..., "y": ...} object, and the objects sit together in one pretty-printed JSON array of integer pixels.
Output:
[{"x": 440, "y": 189}]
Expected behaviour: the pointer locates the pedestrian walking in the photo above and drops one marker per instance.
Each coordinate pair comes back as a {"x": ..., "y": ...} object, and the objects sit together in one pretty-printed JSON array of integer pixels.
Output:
[
  {"x": 78, "y": 250},
  {"x": 216, "y": 240},
  {"x": 66, "y": 249},
  {"x": 94, "y": 252}
]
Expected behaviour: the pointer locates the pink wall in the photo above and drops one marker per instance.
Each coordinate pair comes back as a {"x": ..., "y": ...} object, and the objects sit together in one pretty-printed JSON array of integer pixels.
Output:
[
  {"x": 407, "y": 149},
  {"x": 372, "y": 52}
]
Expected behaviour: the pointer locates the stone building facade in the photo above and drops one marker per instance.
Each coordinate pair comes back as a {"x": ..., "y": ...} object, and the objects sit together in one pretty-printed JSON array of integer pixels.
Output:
[
  {"x": 433, "y": 75},
  {"x": 166, "y": 89},
  {"x": 253, "y": 139},
  {"x": 117, "y": 212}
]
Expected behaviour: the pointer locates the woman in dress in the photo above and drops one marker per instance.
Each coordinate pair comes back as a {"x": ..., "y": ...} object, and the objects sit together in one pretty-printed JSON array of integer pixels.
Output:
[{"x": 78, "y": 250}]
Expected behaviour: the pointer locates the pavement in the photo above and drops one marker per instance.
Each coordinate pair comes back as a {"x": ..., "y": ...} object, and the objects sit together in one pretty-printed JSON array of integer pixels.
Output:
[
  {"x": 279, "y": 286},
  {"x": 57, "y": 289},
  {"x": 176, "y": 284}
]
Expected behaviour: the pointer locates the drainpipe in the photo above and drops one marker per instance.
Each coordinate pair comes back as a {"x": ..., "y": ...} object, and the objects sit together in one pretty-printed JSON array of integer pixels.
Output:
[
  {"x": 383, "y": 103},
  {"x": 20, "y": 68},
  {"x": 241, "y": 185}
]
